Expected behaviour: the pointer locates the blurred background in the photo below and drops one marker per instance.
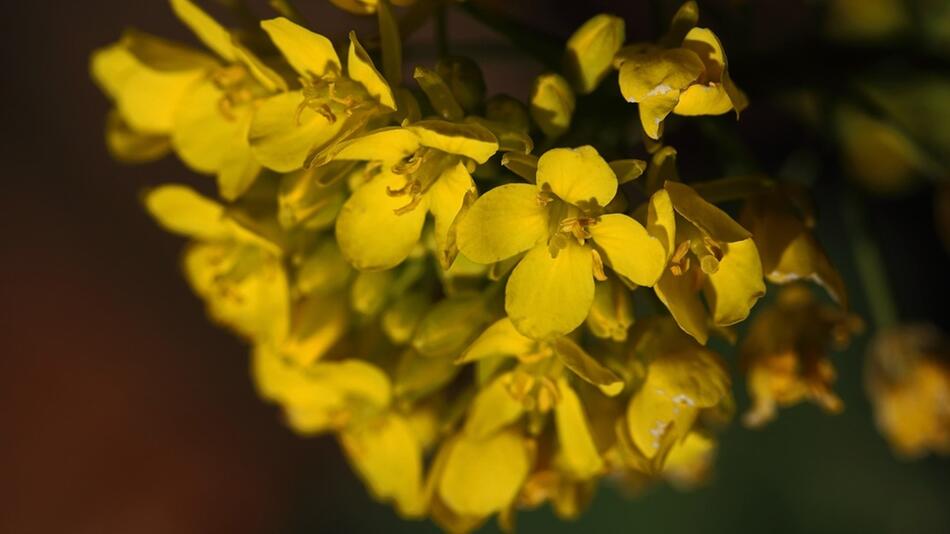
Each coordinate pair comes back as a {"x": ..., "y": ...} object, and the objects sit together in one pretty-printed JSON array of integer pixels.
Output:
[{"x": 122, "y": 409}]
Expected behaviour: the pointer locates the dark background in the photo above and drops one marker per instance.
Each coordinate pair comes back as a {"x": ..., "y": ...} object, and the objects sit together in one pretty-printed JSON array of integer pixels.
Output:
[{"x": 123, "y": 410}]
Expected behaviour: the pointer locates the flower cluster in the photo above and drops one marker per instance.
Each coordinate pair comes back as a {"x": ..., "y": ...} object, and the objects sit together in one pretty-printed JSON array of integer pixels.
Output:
[{"x": 484, "y": 328}]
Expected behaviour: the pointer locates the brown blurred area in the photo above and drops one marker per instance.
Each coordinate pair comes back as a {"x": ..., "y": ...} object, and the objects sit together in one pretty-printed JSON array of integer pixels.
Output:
[{"x": 121, "y": 408}]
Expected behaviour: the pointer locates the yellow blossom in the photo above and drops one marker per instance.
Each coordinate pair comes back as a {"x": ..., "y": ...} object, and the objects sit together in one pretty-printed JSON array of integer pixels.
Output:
[
  {"x": 691, "y": 78},
  {"x": 683, "y": 381},
  {"x": 712, "y": 253},
  {"x": 421, "y": 167},
  {"x": 908, "y": 380},
  {"x": 785, "y": 355},
  {"x": 292, "y": 126},
  {"x": 236, "y": 271},
  {"x": 560, "y": 222}
]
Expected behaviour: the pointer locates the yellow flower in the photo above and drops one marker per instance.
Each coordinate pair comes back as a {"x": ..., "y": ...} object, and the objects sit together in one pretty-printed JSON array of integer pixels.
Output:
[
  {"x": 780, "y": 222},
  {"x": 415, "y": 169},
  {"x": 204, "y": 103},
  {"x": 560, "y": 222},
  {"x": 690, "y": 79},
  {"x": 712, "y": 253},
  {"x": 293, "y": 126},
  {"x": 684, "y": 382},
  {"x": 354, "y": 398},
  {"x": 236, "y": 271},
  {"x": 785, "y": 355},
  {"x": 214, "y": 116},
  {"x": 908, "y": 381}
]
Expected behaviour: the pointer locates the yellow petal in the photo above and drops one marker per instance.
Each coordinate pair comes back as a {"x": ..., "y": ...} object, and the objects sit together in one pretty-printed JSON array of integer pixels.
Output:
[
  {"x": 707, "y": 46},
  {"x": 578, "y": 175},
  {"x": 591, "y": 49},
  {"x": 710, "y": 220},
  {"x": 181, "y": 210},
  {"x": 145, "y": 97},
  {"x": 244, "y": 287},
  {"x": 388, "y": 458},
  {"x": 482, "y": 477},
  {"x": 579, "y": 453},
  {"x": 239, "y": 169},
  {"x": 310, "y": 54},
  {"x": 499, "y": 339},
  {"x": 212, "y": 34},
  {"x": 653, "y": 111},
  {"x": 464, "y": 139},
  {"x": 552, "y": 104},
  {"x": 735, "y": 287},
  {"x": 503, "y": 222},
  {"x": 550, "y": 296},
  {"x": 586, "y": 367},
  {"x": 703, "y": 100},
  {"x": 659, "y": 73},
  {"x": 787, "y": 249},
  {"x": 630, "y": 250},
  {"x": 680, "y": 295},
  {"x": 370, "y": 234},
  {"x": 677, "y": 385},
  {"x": 360, "y": 68},
  {"x": 655, "y": 420},
  {"x": 661, "y": 221},
  {"x": 204, "y": 136},
  {"x": 446, "y": 198},
  {"x": 279, "y": 140},
  {"x": 492, "y": 409}
]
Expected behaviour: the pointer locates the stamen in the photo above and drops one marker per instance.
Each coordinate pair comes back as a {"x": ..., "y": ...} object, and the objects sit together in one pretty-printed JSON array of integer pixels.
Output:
[{"x": 679, "y": 262}]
